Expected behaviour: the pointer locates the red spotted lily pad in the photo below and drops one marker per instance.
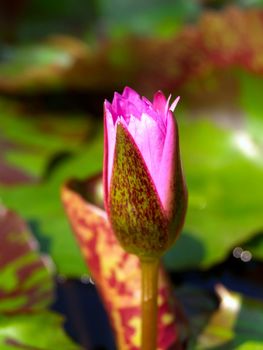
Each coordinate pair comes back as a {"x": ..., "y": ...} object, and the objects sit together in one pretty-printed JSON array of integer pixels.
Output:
[
  {"x": 26, "y": 283},
  {"x": 142, "y": 61},
  {"x": 26, "y": 291}
]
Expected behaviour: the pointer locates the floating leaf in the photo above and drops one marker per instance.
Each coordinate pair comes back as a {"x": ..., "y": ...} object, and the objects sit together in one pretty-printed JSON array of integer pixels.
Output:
[
  {"x": 32, "y": 139},
  {"x": 26, "y": 290},
  {"x": 39, "y": 66},
  {"x": 150, "y": 63},
  {"x": 47, "y": 218},
  {"x": 41, "y": 331},
  {"x": 219, "y": 215},
  {"x": 236, "y": 324},
  {"x": 155, "y": 18},
  {"x": 31, "y": 147},
  {"x": 26, "y": 282}
]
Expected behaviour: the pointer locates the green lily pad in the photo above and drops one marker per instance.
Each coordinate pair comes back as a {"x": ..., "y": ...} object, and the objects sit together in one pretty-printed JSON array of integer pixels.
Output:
[
  {"x": 219, "y": 216},
  {"x": 37, "y": 56},
  {"x": 42, "y": 331},
  {"x": 224, "y": 170},
  {"x": 236, "y": 324},
  {"x": 29, "y": 146},
  {"x": 41, "y": 206},
  {"x": 156, "y": 18},
  {"x": 25, "y": 66},
  {"x": 32, "y": 140}
]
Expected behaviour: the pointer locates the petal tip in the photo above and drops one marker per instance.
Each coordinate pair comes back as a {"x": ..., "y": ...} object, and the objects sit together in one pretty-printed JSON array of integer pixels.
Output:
[{"x": 174, "y": 104}]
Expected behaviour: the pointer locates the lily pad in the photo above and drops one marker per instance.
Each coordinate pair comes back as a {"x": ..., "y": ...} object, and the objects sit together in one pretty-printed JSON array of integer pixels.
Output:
[
  {"x": 150, "y": 62},
  {"x": 220, "y": 215},
  {"x": 25, "y": 66},
  {"x": 26, "y": 291},
  {"x": 236, "y": 324},
  {"x": 47, "y": 219},
  {"x": 26, "y": 282},
  {"x": 30, "y": 146},
  {"x": 33, "y": 139},
  {"x": 41, "y": 331}
]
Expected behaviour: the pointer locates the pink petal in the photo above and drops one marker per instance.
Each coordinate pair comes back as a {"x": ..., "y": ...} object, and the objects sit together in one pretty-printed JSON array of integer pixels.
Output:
[
  {"x": 129, "y": 109},
  {"x": 153, "y": 130},
  {"x": 115, "y": 106},
  {"x": 159, "y": 102},
  {"x": 167, "y": 162},
  {"x": 109, "y": 146},
  {"x": 131, "y": 95},
  {"x": 149, "y": 138},
  {"x": 174, "y": 104}
]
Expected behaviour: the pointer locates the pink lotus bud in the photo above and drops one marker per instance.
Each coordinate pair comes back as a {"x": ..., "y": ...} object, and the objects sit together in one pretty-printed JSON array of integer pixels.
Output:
[{"x": 144, "y": 189}]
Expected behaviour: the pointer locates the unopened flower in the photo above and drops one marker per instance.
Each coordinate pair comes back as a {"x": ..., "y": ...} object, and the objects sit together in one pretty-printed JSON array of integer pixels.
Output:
[{"x": 144, "y": 189}]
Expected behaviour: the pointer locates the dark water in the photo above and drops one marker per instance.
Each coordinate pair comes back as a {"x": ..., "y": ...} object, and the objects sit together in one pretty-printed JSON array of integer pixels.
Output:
[{"x": 86, "y": 319}]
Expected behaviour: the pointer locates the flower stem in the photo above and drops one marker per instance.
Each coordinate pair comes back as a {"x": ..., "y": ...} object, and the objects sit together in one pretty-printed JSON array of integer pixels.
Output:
[{"x": 149, "y": 303}]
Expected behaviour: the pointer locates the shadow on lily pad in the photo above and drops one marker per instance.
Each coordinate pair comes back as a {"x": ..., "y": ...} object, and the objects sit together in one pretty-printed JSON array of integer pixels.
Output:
[
  {"x": 44, "y": 241},
  {"x": 186, "y": 253}
]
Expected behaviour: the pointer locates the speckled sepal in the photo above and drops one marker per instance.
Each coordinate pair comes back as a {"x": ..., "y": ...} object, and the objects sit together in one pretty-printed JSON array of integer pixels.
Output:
[{"x": 134, "y": 207}]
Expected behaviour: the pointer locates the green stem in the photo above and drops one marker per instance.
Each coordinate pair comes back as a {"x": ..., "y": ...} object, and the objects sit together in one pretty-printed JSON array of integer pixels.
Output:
[{"x": 149, "y": 303}]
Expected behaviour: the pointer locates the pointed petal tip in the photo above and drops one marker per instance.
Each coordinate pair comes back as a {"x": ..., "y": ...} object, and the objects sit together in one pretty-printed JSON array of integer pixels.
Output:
[
  {"x": 159, "y": 94},
  {"x": 130, "y": 94},
  {"x": 127, "y": 90},
  {"x": 174, "y": 104},
  {"x": 116, "y": 96},
  {"x": 159, "y": 101},
  {"x": 106, "y": 104}
]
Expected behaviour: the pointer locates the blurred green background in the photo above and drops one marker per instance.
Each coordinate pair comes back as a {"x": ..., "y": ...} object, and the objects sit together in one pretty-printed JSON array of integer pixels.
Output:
[{"x": 60, "y": 60}]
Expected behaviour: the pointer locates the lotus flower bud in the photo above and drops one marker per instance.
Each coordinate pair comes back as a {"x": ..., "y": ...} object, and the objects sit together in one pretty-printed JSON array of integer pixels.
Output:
[{"x": 144, "y": 189}]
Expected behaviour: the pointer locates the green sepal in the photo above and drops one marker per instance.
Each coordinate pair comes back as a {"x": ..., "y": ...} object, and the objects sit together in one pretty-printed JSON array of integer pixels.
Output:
[{"x": 134, "y": 207}]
